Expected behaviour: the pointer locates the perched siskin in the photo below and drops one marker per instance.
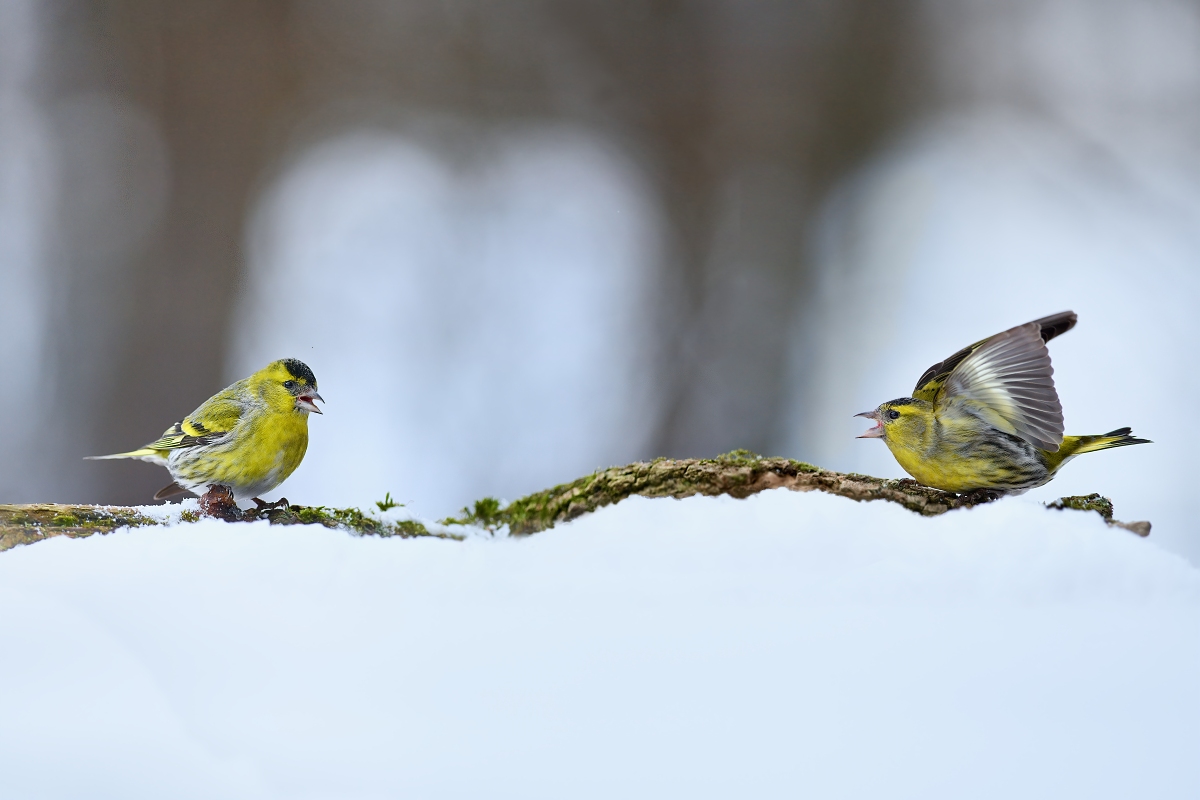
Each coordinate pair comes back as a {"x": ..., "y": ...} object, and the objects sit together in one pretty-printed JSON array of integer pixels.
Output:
[
  {"x": 988, "y": 417},
  {"x": 247, "y": 438}
]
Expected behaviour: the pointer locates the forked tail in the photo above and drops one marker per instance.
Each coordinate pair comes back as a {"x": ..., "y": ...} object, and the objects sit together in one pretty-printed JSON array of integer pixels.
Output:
[
  {"x": 1075, "y": 445},
  {"x": 1118, "y": 438}
]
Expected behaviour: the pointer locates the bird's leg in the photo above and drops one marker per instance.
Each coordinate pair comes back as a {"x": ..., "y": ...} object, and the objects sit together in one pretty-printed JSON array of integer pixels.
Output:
[
  {"x": 978, "y": 496},
  {"x": 260, "y": 507},
  {"x": 265, "y": 509},
  {"x": 263, "y": 505},
  {"x": 218, "y": 502}
]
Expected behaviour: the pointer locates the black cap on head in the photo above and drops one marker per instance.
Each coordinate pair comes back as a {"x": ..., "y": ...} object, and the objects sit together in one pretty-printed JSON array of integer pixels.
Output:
[{"x": 300, "y": 371}]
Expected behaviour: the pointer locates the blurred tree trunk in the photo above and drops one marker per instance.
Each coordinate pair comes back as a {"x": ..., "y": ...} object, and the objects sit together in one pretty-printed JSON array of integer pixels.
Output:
[
  {"x": 751, "y": 111},
  {"x": 218, "y": 81},
  {"x": 744, "y": 113}
]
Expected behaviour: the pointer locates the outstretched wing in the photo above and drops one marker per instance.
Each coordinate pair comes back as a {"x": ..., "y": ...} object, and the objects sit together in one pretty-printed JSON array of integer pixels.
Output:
[
  {"x": 1007, "y": 376},
  {"x": 931, "y": 382}
]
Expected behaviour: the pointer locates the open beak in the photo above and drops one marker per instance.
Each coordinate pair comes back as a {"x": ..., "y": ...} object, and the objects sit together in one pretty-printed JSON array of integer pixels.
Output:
[
  {"x": 877, "y": 431},
  {"x": 305, "y": 401}
]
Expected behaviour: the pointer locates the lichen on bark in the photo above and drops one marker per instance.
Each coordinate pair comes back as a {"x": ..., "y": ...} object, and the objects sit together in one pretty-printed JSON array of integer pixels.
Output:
[
  {"x": 1102, "y": 506},
  {"x": 738, "y": 474},
  {"x": 24, "y": 524}
]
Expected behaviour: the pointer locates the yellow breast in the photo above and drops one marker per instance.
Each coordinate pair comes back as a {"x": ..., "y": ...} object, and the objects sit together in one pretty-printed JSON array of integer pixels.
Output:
[
  {"x": 276, "y": 446},
  {"x": 951, "y": 474}
]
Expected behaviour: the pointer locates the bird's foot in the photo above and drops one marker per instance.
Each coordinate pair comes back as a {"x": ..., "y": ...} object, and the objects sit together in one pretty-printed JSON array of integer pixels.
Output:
[
  {"x": 218, "y": 502},
  {"x": 263, "y": 505},
  {"x": 979, "y": 496},
  {"x": 268, "y": 511}
]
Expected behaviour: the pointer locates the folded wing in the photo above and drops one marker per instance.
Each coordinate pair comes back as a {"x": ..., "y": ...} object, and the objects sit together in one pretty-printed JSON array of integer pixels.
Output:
[{"x": 206, "y": 425}]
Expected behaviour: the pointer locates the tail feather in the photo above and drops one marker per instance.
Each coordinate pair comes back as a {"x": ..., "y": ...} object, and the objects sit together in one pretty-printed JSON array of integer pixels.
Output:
[
  {"x": 145, "y": 454},
  {"x": 145, "y": 451},
  {"x": 170, "y": 490},
  {"x": 1075, "y": 445},
  {"x": 1106, "y": 441}
]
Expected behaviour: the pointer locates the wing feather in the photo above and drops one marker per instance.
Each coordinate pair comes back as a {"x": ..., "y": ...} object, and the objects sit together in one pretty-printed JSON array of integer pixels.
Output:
[
  {"x": 177, "y": 436},
  {"x": 206, "y": 425},
  {"x": 1010, "y": 376},
  {"x": 930, "y": 385}
]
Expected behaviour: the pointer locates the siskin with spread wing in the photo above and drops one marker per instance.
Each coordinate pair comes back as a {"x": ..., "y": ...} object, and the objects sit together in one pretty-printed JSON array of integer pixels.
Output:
[
  {"x": 247, "y": 438},
  {"x": 988, "y": 417}
]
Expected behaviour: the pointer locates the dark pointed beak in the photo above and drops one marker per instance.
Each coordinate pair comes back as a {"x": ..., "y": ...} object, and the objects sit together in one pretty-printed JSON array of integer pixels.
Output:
[
  {"x": 877, "y": 431},
  {"x": 305, "y": 401}
]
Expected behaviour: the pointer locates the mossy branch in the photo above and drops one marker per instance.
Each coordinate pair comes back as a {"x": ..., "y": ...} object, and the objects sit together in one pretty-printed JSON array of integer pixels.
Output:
[
  {"x": 738, "y": 474},
  {"x": 25, "y": 524}
]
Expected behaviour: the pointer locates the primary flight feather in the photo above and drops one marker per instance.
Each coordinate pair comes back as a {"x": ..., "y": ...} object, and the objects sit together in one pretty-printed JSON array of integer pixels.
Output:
[
  {"x": 248, "y": 437},
  {"x": 988, "y": 417}
]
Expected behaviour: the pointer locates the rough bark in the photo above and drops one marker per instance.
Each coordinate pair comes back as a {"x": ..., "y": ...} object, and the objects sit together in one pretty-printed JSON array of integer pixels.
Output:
[{"x": 738, "y": 474}]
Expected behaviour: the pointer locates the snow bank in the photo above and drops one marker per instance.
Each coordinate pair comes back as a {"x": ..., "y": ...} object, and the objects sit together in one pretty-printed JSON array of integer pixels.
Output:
[{"x": 786, "y": 645}]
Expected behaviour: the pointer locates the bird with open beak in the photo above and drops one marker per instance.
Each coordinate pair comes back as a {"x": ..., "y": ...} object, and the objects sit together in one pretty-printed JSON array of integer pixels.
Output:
[
  {"x": 988, "y": 417},
  {"x": 246, "y": 438}
]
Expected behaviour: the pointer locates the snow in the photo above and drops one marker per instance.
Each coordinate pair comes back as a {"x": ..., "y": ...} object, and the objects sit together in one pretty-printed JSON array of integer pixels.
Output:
[
  {"x": 170, "y": 513},
  {"x": 785, "y": 645}
]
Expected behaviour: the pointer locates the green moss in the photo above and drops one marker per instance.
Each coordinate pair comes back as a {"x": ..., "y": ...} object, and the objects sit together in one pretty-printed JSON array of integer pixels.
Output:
[
  {"x": 409, "y": 528},
  {"x": 739, "y": 473},
  {"x": 349, "y": 519},
  {"x": 1102, "y": 506},
  {"x": 738, "y": 456},
  {"x": 1086, "y": 502},
  {"x": 387, "y": 503},
  {"x": 310, "y": 515},
  {"x": 487, "y": 513},
  {"x": 31, "y": 523}
]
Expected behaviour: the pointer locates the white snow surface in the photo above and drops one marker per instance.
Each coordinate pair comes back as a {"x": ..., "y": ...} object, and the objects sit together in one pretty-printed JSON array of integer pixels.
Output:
[{"x": 787, "y": 645}]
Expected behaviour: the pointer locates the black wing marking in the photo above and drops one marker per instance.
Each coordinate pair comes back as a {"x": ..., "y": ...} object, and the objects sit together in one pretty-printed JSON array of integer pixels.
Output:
[{"x": 934, "y": 378}]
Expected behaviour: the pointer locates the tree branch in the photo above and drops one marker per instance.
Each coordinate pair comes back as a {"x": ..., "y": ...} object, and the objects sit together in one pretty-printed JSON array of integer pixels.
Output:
[{"x": 738, "y": 474}]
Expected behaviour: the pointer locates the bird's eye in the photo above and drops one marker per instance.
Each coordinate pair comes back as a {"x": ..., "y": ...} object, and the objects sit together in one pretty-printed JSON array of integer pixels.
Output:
[
  {"x": 289, "y": 385},
  {"x": 893, "y": 413}
]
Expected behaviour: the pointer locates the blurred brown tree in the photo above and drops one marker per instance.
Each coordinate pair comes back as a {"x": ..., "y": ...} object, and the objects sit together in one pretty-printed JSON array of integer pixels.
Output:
[{"x": 743, "y": 112}]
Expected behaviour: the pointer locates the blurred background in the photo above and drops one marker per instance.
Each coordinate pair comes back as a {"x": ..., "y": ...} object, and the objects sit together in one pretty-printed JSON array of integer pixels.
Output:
[{"x": 519, "y": 241}]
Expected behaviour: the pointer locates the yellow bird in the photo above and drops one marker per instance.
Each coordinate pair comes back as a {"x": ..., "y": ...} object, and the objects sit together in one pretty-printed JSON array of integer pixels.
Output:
[
  {"x": 988, "y": 417},
  {"x": 247, "y": 438}
]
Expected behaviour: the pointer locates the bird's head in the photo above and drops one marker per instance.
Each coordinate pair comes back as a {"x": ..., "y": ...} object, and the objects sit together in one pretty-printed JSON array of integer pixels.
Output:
[
  {"x": 288, "y": 384},
  {"x": 898, "y": 420}
]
